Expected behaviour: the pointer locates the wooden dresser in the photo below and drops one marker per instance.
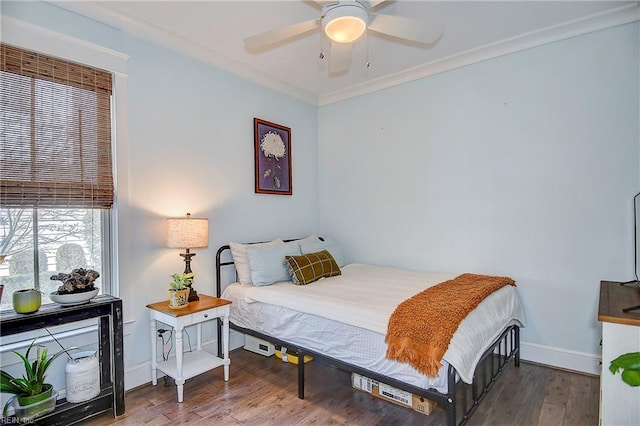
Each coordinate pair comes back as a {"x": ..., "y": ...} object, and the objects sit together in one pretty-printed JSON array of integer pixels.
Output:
[{"x": 619, "y": 402}]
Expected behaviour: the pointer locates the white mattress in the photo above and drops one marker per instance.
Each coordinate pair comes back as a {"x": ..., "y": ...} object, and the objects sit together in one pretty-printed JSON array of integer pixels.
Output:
[{"x": 345, "y": 317}]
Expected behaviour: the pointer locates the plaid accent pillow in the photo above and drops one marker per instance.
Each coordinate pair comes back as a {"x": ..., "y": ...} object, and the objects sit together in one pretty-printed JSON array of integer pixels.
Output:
[{"x": 311, "y": 267}]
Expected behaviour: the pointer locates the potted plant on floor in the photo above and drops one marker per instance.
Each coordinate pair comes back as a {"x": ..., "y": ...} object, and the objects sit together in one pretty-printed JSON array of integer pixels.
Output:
[
  {"x": 34, "y": 396},
  {"x": 179, "y": 290}
]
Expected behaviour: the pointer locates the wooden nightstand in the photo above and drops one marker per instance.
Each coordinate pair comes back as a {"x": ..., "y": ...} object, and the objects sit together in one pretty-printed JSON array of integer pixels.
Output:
[{"x": 189, "y": 364}]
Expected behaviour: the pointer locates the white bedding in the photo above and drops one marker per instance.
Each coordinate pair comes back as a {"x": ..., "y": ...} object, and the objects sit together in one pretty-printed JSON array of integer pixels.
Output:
[{"x": 364, "y": 297}]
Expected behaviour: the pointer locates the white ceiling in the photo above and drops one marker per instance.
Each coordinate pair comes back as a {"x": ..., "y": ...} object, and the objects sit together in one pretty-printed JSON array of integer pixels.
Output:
[{"x": 472, "y": 31}]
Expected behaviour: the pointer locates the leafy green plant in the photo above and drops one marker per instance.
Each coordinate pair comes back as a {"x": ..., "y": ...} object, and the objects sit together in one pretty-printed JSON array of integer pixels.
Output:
[
  {"x": 32, "y": 381},
  {"x": 181, "y": 281},
  {"x": 629, "y": 364}
]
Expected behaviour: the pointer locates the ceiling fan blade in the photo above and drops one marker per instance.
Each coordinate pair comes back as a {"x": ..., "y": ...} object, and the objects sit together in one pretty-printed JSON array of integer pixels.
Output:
[
  {"x": 339, "y": 57},
  {"x": 323, "y": 2},
  {"x": 372, "y": 3},
  {"x": 404, "y": 28},
  {"x": 261, "y": 41}
]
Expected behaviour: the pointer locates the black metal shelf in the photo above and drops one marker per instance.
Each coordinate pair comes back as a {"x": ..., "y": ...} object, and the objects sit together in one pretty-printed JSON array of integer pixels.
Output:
[{"x": 108, "y": 311}]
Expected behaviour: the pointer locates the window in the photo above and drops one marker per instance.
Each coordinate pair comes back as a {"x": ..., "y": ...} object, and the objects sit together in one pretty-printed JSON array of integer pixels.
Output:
[{"x": 56, "y": 178}]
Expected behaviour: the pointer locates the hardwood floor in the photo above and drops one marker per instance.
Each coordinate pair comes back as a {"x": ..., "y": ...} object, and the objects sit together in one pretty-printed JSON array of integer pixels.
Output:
[{"x": 263, "y": 391}]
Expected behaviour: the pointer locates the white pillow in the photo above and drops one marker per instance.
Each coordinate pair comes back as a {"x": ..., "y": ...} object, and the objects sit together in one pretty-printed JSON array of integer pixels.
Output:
[
  {"x": 240, "y": 259},
  {"x": 313, "y": 245}
]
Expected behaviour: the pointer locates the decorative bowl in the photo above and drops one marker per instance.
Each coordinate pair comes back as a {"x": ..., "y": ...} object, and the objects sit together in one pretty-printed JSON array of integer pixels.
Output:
[{"x": 72, "y": 299}]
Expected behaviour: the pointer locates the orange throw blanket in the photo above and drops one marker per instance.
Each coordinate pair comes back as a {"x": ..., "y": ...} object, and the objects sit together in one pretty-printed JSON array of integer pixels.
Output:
[{"x": 422, "y": 326}]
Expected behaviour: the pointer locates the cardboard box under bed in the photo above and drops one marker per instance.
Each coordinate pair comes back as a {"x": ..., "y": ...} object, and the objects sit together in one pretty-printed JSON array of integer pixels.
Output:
[{"x": 389, "y": 393}]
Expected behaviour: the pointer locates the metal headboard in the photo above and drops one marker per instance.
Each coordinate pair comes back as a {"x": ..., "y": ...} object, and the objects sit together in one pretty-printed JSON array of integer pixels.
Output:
[{"x": 220, "y": 263}]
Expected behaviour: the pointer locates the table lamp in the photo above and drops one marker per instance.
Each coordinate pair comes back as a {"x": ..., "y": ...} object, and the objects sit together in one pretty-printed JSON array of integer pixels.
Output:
[{"x": 187, "y": 233}]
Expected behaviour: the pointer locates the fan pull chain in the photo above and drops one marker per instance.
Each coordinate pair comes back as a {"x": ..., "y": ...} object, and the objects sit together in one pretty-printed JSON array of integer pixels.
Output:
[
  {"x": 368, "y": 64},
  {"x": 321, "y": 56}
]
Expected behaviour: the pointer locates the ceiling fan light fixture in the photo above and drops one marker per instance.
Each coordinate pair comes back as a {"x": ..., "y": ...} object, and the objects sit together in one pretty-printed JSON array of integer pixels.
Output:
[{"x": 345, "y": 23}]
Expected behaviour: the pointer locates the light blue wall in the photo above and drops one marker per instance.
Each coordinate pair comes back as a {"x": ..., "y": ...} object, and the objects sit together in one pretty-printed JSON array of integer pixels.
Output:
[{"x": 524, "y": 165}]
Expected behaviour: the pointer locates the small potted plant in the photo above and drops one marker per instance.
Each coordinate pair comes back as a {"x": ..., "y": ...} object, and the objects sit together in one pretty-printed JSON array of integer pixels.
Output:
[
  {"x": 35, "y": 398},
  {"x": 179, "y": 290}
]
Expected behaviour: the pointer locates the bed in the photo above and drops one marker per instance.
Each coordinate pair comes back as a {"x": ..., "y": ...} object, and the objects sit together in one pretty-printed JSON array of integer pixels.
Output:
[{"x": 335, "y": 320}]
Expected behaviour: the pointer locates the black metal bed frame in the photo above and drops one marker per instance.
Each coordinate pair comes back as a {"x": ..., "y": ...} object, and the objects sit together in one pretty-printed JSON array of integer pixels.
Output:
[{"x": 461, "y": 398}]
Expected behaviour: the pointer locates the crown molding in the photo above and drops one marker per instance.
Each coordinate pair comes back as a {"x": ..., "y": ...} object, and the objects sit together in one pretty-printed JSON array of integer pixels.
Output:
[
  {"x": 182, "y": 45},
  {"x": 565, "y": 30},
  {"x": 36, "y": 38},
  {"x": 607, "y": 19}
]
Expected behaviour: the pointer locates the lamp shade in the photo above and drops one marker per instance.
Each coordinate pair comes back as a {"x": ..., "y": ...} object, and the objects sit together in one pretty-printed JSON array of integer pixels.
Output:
[{"x": 187, "y": 232}]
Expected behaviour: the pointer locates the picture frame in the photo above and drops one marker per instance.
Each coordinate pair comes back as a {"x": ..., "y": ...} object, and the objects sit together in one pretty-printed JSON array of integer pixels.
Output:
[{"x": 272, "y": 157}]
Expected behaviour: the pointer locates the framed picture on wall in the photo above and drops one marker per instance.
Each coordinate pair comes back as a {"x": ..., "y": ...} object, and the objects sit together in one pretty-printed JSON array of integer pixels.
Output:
[{"x": 272, "y": 152}]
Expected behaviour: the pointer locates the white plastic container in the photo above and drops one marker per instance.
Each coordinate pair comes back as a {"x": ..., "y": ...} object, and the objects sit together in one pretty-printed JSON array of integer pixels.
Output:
[
  {"x": 258, "y": 346},
  {"x": 82, "y": 376}
]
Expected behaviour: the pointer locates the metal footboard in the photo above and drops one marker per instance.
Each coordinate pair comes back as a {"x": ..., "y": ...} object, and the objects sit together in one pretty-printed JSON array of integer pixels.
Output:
[{"x": 461, "y": 399}]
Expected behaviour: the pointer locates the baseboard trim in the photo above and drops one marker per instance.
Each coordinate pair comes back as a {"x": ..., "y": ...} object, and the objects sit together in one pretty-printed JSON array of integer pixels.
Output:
[{"x": 561, "y": 358}]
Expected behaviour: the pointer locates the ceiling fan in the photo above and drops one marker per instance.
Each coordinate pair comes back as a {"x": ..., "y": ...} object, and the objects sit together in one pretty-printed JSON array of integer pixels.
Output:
[{"x": 344, "y": 22}]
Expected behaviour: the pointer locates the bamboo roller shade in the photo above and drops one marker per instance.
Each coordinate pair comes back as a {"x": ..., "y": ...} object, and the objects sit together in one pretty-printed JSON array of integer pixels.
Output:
[{"x": 55, "y": 138}]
